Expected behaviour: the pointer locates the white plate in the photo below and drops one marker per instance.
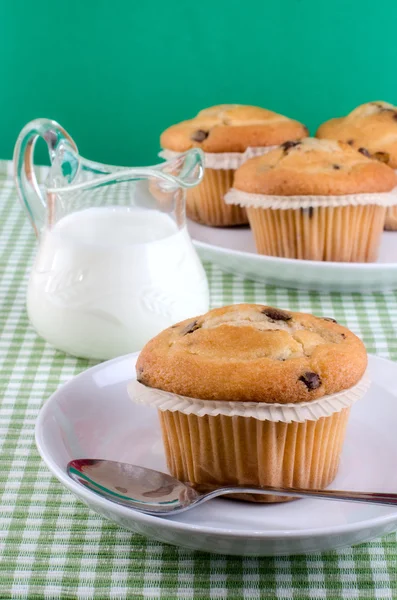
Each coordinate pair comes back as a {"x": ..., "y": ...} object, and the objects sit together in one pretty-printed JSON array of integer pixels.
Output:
[
  {"x": 233, "y": 249},
  {"x": 92, "y": 416}
]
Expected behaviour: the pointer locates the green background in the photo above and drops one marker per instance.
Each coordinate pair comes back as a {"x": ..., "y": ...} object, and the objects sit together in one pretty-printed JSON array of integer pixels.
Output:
[{"x": 115, "y": 74}]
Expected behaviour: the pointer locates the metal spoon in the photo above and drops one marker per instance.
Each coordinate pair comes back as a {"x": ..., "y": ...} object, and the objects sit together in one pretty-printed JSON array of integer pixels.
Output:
[{"x": 156, "y": 493}]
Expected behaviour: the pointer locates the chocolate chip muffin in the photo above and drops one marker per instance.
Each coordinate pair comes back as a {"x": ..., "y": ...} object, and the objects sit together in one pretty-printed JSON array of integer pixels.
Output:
[
  {"x": 315, "y": 199},
  {"x": 224, "y": 133},
  {"x": 372, "y": 129},
  {"x": 265, "y": 358}
]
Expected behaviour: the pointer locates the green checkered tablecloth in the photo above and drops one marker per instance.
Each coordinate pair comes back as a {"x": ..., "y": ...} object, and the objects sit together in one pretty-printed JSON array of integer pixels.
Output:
[{"x": 52, "y": 546}]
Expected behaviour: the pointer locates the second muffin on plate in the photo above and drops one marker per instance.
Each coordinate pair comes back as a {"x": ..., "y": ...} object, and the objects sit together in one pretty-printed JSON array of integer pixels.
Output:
[
  {"x": 228, "y": 134},
  {"x": 315, "y": 200},
  {"x": 253, "y": 395},
  {"x": 372, "y": 127}
]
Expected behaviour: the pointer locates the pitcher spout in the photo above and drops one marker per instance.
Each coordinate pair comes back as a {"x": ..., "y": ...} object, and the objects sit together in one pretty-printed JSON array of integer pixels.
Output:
[{"x": 187, "y": 169}]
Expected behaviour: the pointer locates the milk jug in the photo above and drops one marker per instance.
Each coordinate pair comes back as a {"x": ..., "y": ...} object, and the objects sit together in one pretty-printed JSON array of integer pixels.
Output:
[{"x": 115, "y": 264}]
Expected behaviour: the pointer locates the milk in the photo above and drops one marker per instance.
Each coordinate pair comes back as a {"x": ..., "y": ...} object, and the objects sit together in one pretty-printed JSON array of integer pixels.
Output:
[{"x": 106, "y": 280}]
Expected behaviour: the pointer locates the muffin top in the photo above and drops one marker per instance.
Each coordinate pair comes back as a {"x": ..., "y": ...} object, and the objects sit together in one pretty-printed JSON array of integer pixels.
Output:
[
  {"x": 314, "y": 167},
  {"x": 372, "y": 126},
  {"x": 231, "y": 128},
  {"x": 250, "y": 352}
]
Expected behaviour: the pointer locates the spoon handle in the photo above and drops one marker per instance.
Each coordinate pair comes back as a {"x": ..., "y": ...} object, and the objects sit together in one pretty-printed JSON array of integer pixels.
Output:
[{"x": 384, "y": 498}]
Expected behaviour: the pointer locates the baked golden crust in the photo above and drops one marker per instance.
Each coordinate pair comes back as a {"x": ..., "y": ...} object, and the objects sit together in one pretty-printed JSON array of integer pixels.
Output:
[
  {"x": 231, "y": 128},
  {"x": 314, "y": 167},
  {"x": 372, "y": 126},
  {"x": 251, "y": 352}
]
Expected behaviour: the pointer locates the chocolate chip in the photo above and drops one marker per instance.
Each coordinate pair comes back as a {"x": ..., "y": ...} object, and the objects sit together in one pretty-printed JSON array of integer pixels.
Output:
[
  {"x": 311, "y": 380},
  {"x": 308, "y": 211},
  {"x": 343, "y": 335},
  {"x": 336, "y": 167},
  {"x": 275, "y": 314},
  {"x": 395, "y": 116},
  {"x": 365, "y": 152},
  {"x": 290, "y": 144},
  {"x": 123, "y": 490},
  {"x": 350, "y": 142},
  {"x": 193, "y": 326},
  {"x": 383, "y": 157},
  {"x": 200, "y": 135},
  {"x": 329, "y": 319}
]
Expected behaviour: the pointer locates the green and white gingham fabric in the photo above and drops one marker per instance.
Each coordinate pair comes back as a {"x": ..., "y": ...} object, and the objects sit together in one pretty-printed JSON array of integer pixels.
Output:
[{"x": 52, "y": 546}]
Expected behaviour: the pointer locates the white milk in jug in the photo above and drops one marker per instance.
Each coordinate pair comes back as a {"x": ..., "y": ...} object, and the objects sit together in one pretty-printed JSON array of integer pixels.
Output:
[{"x": 106, "y": 280}]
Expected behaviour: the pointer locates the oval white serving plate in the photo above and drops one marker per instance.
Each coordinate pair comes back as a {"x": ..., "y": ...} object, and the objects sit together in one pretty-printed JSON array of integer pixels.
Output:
[
  {"x": 233, "y": 249},
  {"x": 92, "y": 417}
]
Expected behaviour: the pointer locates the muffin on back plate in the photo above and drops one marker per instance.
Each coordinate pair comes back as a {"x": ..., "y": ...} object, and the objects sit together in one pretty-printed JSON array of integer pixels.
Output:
[
  {"x": 228, "y": 134},
  {"x": 315, "y": 199},
  {"x": 253, "y": 395},
  {"x": 372, "y": 127}
]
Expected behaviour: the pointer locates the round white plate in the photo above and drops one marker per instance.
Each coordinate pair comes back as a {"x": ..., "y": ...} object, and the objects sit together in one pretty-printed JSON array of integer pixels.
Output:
[
  {"x": 93, "y": 417},
  {"x": 233, "y": 249}
]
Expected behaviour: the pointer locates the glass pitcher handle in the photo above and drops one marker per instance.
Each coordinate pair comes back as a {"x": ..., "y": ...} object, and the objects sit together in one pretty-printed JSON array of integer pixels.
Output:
[{"x": 25, "y": 177}]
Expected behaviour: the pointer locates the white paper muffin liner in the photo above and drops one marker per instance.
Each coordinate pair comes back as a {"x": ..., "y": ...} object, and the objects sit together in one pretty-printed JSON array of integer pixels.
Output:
[
  {"x": 285, "y": 413},
  {"x": 234, "y": 196},
  {"x": 224, "y": 160}
]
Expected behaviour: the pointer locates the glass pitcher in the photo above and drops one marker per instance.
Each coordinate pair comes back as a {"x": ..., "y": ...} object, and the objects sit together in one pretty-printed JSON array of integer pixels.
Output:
[{"x": 115, "y": 263}]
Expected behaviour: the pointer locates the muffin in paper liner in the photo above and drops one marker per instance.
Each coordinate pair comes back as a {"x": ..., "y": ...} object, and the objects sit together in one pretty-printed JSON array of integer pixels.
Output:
[
  {"x": 204, "y": 203},
  {"x": 212, "y": 443},
  {"x": 373, "y": 127},
  {"x": 343, "y": 228}
]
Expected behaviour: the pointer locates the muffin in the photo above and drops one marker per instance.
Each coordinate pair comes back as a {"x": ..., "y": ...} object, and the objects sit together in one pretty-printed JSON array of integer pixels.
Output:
[
  {"x": 253, "y": 395},
  {"x": 371, "y": 127},
  {"x": 225, "y": 133},
  {"x": 316, "y": 200}
]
